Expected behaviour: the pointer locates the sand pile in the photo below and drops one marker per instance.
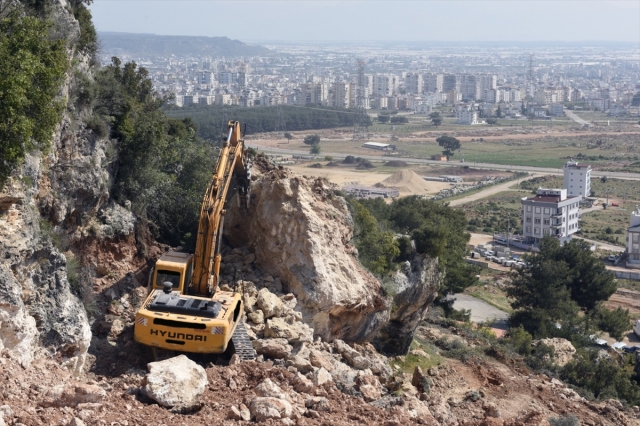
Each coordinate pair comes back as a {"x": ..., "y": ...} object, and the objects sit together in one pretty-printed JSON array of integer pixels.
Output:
[{"x": 407, "y": 182}]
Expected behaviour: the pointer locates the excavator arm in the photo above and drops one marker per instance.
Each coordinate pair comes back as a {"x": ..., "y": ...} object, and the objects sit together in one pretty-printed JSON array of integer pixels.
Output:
[{"x": 233, "y": 168}]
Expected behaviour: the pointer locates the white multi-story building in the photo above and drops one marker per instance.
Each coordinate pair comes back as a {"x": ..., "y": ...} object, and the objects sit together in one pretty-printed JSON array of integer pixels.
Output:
[
  {"x": 633, "y": 240},
  {"x": 466, "y": 114},
  {"x": 577, "y": 179},
  {"x": 385, "y": 84},
  {"x": 551, "y": 212},
  {"x": 344, "y": 95}
]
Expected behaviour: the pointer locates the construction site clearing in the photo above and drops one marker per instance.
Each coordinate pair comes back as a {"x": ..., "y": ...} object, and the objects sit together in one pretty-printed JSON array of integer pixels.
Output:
[{"x": 430, "y": 181}]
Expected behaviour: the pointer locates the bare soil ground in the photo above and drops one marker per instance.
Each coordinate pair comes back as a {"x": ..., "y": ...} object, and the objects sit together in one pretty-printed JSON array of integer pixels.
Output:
[{"x": 345, "y": 176}]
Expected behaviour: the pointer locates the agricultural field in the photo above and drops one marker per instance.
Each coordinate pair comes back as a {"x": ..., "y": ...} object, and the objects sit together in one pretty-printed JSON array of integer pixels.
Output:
[
  {"x": 607, "y": 225},
  {"x": 602, "y": 152}
]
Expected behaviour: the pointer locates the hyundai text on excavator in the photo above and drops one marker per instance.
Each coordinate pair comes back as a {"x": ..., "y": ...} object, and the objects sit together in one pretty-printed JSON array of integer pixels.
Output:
[{"x": 185, "y": 311}]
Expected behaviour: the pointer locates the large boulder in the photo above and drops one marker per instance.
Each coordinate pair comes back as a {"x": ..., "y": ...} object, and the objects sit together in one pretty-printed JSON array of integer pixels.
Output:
[
  {"x": 270, "y": 304},
  {"x": 176, "y": 382},
  {"x": 416, "y": 285},
  {"x": 300, "y": 231},
  {"x": 272, "y": 348}
]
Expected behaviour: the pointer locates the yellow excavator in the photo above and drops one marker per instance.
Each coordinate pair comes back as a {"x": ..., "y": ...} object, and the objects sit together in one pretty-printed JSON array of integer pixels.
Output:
[{"x": 185, "y": 311}]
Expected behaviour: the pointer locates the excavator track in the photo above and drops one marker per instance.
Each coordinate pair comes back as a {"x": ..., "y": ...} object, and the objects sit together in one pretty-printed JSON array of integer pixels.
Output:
[
  {"x": 162, "y": 354},
  {"x": 242, "y": 343}
]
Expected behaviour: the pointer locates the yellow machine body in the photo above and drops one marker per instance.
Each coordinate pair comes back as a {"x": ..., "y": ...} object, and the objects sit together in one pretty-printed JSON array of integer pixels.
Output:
[{"x": 183, "y": 311}]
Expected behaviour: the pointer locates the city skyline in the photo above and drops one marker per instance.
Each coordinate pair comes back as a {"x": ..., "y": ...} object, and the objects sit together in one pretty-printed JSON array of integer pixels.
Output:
[{"x": 360, "y": 21}]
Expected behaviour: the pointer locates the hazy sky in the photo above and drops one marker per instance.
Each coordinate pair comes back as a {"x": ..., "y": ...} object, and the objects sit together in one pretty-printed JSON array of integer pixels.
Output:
[{"x": 451, "y": 20}]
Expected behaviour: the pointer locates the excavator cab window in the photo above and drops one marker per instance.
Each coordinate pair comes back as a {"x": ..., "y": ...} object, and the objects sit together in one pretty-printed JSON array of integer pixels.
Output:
[{"x": 170, "y": 276}]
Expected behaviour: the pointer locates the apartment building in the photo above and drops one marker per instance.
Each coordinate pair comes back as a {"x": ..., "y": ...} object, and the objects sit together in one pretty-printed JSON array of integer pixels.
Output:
[
  {"x": 470, "y": 88},
  {"x": 550, "y": 212},
  {"x": 314, "y": 94},
  {"x": 413, "y": 83},
  {"x": 633, "y": 240},
  {"x": 385, "y": 84},
  {"x": 466, "y": 114},
  {"x": 451, "y": 82},
  {"x": 577, "y": 179},
  {"x": 433, "y": 82},
  {"x": 344, "y": 95}
]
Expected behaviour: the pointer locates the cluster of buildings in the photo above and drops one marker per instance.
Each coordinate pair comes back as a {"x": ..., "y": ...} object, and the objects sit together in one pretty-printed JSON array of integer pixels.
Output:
[
  {"x": 476, "y": 84},
  {"x": 555, "y": 212}
]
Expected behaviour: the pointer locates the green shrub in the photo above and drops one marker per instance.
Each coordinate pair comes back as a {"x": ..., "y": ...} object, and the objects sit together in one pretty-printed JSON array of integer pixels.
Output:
[
  {"x": 97, "y": 125},
  {"x": 520, "y": 340},
  {"x": 32, "y": 66},
  {"x": 73, "y": 274},
  {"x": 88, "y": 42}
]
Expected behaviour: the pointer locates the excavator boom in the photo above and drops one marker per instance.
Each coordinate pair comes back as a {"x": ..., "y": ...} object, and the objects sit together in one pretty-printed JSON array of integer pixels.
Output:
[{"x": 233, "y": 166}]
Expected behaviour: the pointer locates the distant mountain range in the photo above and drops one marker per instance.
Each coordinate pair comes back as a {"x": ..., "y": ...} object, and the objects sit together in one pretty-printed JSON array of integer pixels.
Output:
[{"x": 150, "y": 45}]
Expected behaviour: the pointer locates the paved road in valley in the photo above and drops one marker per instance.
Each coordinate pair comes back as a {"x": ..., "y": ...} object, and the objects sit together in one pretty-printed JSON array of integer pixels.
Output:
[{"x": 480, "y": 311}]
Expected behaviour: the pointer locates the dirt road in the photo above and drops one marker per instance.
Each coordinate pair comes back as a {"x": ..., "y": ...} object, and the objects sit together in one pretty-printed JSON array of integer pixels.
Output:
[
  {"x": 577, "y": 119},
  {"x": 501, "y": 187}
]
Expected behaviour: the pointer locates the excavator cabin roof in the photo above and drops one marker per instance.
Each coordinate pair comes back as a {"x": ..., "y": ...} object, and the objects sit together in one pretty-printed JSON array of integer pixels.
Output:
[{"x": 175, "y": 257}]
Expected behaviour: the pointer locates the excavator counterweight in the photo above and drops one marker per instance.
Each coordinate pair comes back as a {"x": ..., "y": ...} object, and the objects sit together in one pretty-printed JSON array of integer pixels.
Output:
[{"x": 184, "y": 310}]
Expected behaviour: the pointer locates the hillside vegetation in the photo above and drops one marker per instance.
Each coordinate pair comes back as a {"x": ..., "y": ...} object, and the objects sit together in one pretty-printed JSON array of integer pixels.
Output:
[
  {"x": 210, "y": 119},
  {"x": 132, "y": 44}
]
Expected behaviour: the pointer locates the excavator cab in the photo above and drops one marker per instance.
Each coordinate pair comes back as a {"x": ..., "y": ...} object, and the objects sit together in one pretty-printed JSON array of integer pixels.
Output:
[{"x": 173, "y": 267}]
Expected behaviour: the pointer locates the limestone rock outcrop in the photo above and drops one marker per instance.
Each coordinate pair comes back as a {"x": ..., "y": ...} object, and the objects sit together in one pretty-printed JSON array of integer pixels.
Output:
[
  {"x": 300, "y": 231},
  {"x": 37, "y": 307},
  {"x": 416, "y": 286},
  {"x": 563, "y": 350}
]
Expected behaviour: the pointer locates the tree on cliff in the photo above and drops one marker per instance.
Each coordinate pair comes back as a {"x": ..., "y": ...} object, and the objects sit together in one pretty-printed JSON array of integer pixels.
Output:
[
  {"x": 32, "y": 66},
  {"x": 377, "y": 248}
]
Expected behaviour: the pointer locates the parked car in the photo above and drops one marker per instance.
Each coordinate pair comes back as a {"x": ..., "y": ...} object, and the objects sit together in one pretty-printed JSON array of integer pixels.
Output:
[
  {"x": 619, "y": 346},
  {"x": 597, "y": 341},
  {"x": 636, "y": 328},
  {"x": 612, "y": 258}
]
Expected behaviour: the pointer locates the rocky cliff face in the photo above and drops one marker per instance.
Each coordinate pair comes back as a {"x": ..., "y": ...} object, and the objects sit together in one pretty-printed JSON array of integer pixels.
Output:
[
  {"x": 301, "y": 231},
  {"x": 48, "y": 206},
  {"x": 415, "y": 286}
]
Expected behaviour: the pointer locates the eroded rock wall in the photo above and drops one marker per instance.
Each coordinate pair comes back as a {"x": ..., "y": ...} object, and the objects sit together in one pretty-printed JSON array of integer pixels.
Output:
[
  {"x": 46, "y": 207},
  {"x": 415, "y": 286}
]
